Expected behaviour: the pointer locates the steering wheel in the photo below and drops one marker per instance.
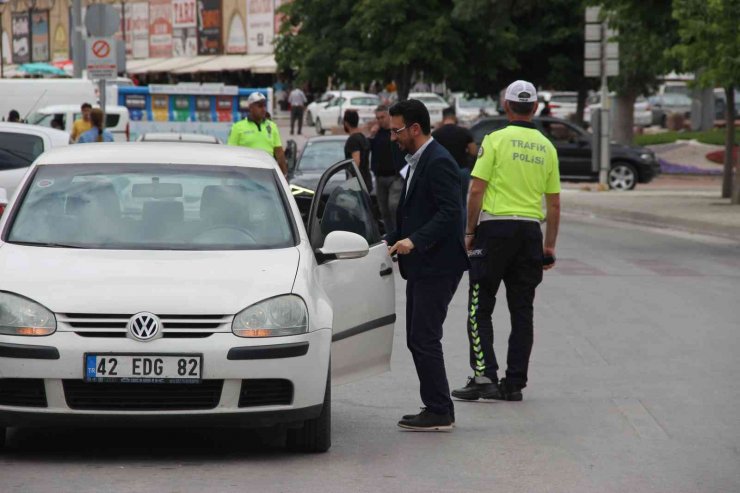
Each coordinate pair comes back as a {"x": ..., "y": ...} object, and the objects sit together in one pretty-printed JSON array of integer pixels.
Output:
[{"x": 238, "y": 229}]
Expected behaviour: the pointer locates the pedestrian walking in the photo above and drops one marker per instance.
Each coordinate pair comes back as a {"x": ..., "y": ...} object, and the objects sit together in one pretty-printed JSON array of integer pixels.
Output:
[
  {"x": 357, "y": 147},
  {"x": 82, "y": 124},
  {"x": 516, "y": 166},
  {"x": 386, "y": 161},
  {"x": 429, "y": 241},
  {"x": 460, "y": 143},
  {"x": 258, "y": 132},
  {"x": 297, "y": 102},
  {"x": 96, "y": 133},
  {"x": 14, "y": 116}
]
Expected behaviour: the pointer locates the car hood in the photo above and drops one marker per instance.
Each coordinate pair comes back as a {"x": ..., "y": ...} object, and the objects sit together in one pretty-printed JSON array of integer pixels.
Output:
[
  {"x": 309, "y": 179},
  {"x": 129, "y": 281}
]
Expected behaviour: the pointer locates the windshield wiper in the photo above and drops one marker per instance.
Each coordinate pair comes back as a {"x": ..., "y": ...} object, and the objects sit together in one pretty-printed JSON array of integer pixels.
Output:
[{"x": 48, "y": 245}]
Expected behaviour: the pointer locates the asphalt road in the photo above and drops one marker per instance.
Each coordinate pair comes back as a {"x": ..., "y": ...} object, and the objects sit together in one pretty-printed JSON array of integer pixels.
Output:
[{"x": 633, "y": 387}]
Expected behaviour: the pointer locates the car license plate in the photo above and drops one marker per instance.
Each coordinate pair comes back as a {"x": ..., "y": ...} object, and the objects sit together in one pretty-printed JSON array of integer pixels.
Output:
[{"x": 143, "y": 368}]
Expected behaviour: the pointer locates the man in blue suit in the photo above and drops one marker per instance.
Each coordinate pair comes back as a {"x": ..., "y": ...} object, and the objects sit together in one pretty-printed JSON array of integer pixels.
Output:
[{"x": 429, "y": 240}]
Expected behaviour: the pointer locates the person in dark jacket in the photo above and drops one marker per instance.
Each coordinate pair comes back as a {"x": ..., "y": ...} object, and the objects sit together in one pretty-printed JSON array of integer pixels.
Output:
[
  {"x": 386, "y": 160},
  {"x": 429, "y": 241}
]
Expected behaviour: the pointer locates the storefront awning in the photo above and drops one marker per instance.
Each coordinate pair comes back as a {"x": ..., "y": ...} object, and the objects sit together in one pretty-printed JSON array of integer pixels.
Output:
[
  {"x": 258, "y": 64},
  {"x": 228, "y": 63},
  {"x": 153, "y": 65}
]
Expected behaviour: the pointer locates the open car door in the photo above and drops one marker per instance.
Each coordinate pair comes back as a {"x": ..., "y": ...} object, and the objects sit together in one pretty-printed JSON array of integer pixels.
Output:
[{"x": 362, "y": 290}]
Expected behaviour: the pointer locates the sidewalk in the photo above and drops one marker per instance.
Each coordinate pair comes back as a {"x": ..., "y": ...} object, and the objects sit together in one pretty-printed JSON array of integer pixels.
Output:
[
  {"x": 687, "y": 157},
  {"x": 691, "y": 204}
]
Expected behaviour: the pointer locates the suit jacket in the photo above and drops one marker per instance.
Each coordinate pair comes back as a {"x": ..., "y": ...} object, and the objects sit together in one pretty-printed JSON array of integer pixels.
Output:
[{"x": 430, "y": 214}]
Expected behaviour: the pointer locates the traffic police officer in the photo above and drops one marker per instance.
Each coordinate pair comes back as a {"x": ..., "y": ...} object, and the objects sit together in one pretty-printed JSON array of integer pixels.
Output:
[
  {"x": 257, "y": 132},
  {"x": 516, "y": 166}
]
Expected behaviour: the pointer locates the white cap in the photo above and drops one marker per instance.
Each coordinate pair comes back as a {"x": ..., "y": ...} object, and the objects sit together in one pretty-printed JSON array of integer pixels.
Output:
[
  {"x": 521, "y": 91},
  {"x": 255, "y": 97}
]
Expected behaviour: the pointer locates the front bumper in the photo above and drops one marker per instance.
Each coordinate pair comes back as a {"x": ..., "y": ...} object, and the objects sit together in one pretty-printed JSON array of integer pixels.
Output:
[{"x": 302, "y": 360}]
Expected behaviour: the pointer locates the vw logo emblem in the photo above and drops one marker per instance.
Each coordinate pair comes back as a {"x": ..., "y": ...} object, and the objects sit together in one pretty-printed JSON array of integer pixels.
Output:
[{"x": 144, "y": 326}]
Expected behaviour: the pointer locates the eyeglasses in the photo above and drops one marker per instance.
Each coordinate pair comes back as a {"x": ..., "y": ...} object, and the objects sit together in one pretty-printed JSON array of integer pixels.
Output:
[{"x": 398, "y": 131}]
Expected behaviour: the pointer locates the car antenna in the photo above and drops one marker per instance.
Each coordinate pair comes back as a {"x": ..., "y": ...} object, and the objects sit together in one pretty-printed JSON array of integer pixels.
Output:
[{"x": 25, "y": 118}]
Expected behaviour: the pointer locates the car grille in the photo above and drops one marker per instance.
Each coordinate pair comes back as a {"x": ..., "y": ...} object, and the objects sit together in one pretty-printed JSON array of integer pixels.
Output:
[
  {"x": 142, "y": 396},
  {"x": 25, "y": 392},
  {"x": 173, "y": 326},
  {"x": 265, "y": 392}
]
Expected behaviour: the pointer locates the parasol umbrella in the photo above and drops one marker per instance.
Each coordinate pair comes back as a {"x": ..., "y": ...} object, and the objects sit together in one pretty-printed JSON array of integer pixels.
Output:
[{"x": 40, "y": 69}]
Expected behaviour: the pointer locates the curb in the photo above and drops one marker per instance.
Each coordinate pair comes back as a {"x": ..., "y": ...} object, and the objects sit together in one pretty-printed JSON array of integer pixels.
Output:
[{"x": 656, "y": 221}]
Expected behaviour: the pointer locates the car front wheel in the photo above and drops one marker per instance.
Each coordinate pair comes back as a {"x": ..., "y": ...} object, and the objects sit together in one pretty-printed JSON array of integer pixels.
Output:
[
  {"x": 315, "y": 435},
  {"x": 622, "y": 176}
]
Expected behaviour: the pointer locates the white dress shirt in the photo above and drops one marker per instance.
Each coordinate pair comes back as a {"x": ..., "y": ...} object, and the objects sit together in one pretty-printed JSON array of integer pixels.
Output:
[{"x": 413, "y": 160}]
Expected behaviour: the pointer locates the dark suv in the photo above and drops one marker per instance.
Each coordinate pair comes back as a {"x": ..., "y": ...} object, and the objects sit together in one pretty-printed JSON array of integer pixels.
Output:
[{"x": 629, "y": 165}]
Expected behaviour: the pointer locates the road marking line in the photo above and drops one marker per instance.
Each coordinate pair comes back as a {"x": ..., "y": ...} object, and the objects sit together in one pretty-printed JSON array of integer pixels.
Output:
[{"x": 644, "y": 424}]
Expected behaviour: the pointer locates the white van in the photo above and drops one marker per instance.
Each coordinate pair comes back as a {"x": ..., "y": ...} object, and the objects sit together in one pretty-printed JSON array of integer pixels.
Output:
[
  {"x": 28, "y": 95},
  {"x": 116, "y": 119}
]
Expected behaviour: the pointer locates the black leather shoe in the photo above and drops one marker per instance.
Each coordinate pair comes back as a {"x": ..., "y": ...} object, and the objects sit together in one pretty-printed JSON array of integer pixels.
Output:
[
  {"x": 427, "y": 421},
  {"x": 407, "y": 417},
  {"x": 509, "y": 392},
  {"x": 478, "y": 388}
]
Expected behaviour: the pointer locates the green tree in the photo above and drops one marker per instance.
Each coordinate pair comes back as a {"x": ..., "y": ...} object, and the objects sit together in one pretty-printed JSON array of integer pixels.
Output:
[
  {"x": 647, "y": 31},
  {"x": 710, "y": 46},
  {"x": 399, "y": 39},
  {"x": 311, "y": 37}
]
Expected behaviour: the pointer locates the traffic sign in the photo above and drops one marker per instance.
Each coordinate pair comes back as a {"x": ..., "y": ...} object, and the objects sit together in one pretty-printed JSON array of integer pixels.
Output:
[
  {"x": 102, "y": 20},
  {"x": 101, "y": 58}
]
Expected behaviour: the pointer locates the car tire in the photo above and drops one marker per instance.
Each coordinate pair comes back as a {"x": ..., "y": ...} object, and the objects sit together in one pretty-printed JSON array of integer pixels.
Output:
[
  {"x": 622, "y": 176},
  {"x": 319, "y": 128},
  {"x": 315, "y": 435},
  {"x": 309, "y": 119},
  {"x": 3, "y": 432}
]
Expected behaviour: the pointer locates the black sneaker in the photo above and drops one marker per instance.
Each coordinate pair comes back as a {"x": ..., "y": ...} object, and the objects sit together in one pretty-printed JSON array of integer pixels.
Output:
[
  {"x": 407, "y": 417},
  {"x": 509, "y": 392},
  {"x": 427, "y": 421},
  {"x": 478, "y": 388}
]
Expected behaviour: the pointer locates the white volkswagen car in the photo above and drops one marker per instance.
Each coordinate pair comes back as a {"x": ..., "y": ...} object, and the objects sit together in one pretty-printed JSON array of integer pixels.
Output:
[
  {"x": 331, "y": 115},
  {"x": 177, "y": 284}
]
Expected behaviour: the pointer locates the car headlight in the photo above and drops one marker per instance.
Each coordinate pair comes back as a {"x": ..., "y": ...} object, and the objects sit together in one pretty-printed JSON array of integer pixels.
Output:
[
  {"x": 22, "y": 317},
  {"x": 280, "y": 316},
  {"x": 646, "y": 156}
]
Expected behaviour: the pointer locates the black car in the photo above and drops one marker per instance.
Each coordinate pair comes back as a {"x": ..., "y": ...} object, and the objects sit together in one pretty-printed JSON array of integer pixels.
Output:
[{"x": 629, "y": 165}]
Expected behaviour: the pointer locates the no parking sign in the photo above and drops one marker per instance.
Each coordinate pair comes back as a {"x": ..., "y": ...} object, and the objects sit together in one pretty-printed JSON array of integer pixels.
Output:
[{"x": 101, "y": 58}]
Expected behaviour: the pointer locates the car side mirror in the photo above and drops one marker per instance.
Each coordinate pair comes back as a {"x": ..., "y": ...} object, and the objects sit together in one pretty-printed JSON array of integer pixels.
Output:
[{"x": 343, "y": 245}]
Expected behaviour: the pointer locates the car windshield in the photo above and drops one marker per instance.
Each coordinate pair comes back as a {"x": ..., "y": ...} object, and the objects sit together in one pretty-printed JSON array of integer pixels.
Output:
[
  {"x": 432, "y": 100},
  {"x": 676, "y": 99},
  {"x": 152, "y": 207},
  {"x": 318, "y": 156},
  {"x": 364, "y": 101},
  {"x": 564, "y": 98},
  {"x": 476, "y": 103}
]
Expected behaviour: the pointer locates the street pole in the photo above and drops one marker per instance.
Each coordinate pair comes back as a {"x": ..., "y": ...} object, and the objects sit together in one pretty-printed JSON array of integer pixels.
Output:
[
  {"x": 101, "y": 89},
  {"x": 78, "y": 46},
  {"x": 2, "y": 52},
  {"x": 605, "y": 112}
]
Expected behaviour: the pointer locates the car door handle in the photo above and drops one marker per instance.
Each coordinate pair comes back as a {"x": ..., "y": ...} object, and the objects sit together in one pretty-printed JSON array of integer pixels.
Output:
[{"x": 386, "y": 272}]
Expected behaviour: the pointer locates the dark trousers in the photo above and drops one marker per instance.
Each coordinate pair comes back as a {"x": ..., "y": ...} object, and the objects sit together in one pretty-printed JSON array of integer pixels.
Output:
[
  {"x": 426, "y": 310},
  {"x": 296, "y": 113},
  {"x": 508, "y": 251}
]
